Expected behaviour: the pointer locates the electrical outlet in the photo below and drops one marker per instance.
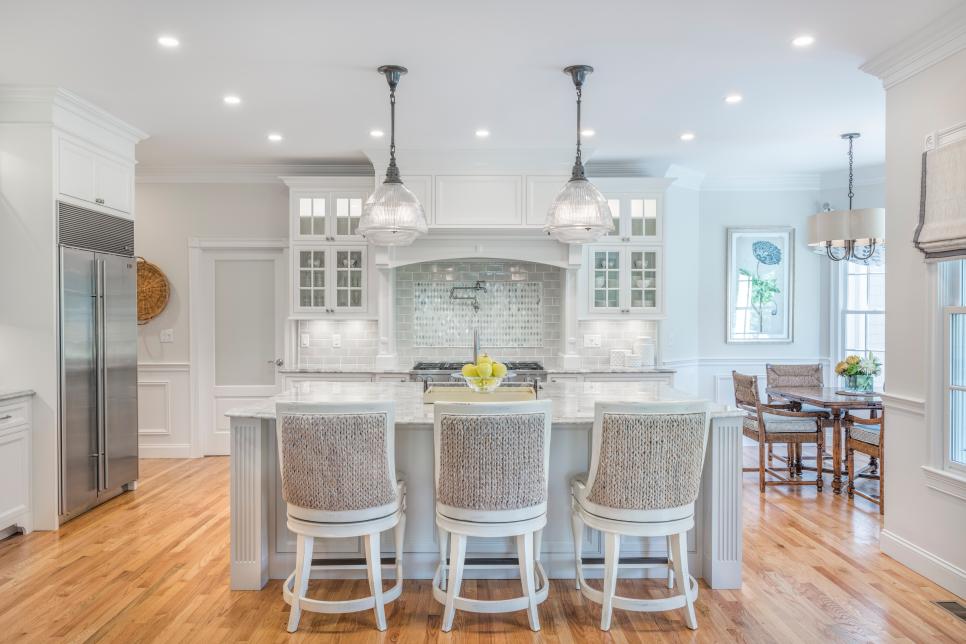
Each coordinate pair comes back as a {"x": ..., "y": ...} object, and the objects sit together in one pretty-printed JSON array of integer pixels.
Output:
[
  {"x": 167, "y": 335},
  {"x": 305, "y": 340},
  {"x": 591, "y": 340},
  {"x": 336, "y": 340}
]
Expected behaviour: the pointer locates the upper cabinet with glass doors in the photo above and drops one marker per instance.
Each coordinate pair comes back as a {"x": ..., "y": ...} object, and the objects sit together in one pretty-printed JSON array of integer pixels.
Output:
[
  {"x": 326, "y": 208},
  {"x": 637, "y": 217}
]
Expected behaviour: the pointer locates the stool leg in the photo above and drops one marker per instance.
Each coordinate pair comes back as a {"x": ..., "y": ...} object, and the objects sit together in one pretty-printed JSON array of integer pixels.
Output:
[
  {"x": 612, "y": 553},
  {"x": 443, "y": 537},
  {"x": 457, "y": 557},
  {"x": 399, "y": 537},
  {"x": 679, "y": 543},
  {"x": 670, "y": 563},
  {"x": 525, "y": 557},
  {"x": 374, "y": 568},
  {"x": 577, "y": 526},
  {"x": 303, "y": 570}
]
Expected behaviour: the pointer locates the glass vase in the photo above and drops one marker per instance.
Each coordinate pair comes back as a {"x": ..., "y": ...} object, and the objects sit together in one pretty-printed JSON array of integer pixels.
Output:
[{"x": 860, "y": 382}]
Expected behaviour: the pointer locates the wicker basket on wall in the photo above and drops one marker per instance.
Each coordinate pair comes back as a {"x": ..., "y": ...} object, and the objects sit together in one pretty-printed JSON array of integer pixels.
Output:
[{"x": 153, "y": 291}]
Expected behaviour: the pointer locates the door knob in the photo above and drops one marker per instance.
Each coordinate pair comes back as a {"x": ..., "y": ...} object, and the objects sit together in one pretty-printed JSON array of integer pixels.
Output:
[{"x": 278, "y": 362}]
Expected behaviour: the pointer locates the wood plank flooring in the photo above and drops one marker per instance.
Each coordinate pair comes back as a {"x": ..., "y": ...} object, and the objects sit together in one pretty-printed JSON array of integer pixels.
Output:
[{"x": 152, "y": 566}]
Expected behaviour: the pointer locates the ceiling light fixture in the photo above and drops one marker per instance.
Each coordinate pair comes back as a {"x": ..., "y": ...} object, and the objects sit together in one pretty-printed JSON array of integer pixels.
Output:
[
  {"x": 804, "y": 41},
  {"x": 376, "y": 134},
  {"x": 231, "y": 99},
  {"x": 392, "y": 216},
  {"x": 579, "y": 213},
  {"x": 840, "y": 233},
  {"x": 733, "y": 99},
  {"x": 482, "y": 134},
  {"x": 274, "y": 137},
  {"x": 587, "y": 132},
  {"x": 169, "y": 42},
  {"x": 687, "y": 136}
]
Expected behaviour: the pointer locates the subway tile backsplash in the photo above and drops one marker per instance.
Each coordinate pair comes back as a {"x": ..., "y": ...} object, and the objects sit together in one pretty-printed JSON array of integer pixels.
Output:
[{"x": 515, "y": 287}]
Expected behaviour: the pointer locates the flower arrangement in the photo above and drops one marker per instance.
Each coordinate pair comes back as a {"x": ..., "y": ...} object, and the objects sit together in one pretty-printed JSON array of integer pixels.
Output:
[{"x": 859, "y": 372}]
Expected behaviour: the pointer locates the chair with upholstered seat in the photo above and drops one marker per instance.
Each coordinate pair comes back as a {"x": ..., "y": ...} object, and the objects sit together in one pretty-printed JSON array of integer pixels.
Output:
[
  {"x": 491, "y": 463},
  {"x": 339, "y": 480},
  {"x": 645, "y": 473},
  {"x": 769, "y": 423},
  {"x": 866, "y": 435},
  {"x": 793, "y": 375}
]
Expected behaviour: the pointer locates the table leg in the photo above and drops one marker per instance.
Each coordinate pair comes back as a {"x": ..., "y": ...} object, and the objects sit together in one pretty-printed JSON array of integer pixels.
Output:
[{"x": 836, "y": 451}]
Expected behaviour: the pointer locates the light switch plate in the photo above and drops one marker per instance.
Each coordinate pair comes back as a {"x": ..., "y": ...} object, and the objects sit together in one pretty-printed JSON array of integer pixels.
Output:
[
  {"x": 167, "y": 335},
  {"x": 305, "y": 340},
  {"x": 591, "y": 340},
  {"x": 336, "y": 340}
]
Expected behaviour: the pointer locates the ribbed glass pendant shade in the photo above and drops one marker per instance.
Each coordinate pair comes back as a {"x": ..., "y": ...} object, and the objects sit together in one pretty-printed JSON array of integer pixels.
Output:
[
  {"x": 392, "y": 216},
  {"x": 579, "y": 213}
]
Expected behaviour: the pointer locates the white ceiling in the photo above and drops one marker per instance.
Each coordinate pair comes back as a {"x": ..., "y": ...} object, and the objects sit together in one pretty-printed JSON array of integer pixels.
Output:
[{"x": 307, "y": 70}]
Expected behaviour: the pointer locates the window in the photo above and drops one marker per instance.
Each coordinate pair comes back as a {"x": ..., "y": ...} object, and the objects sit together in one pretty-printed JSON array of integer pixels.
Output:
[
  {"x": 862, "y": 311},
  {"x": 952, "y": 299}
]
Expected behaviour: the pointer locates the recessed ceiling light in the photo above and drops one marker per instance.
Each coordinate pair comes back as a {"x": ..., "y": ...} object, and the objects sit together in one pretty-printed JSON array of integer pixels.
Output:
[
  {"x": 168, "y": 41},
  {"x": 376, "y": 134},
  {"x": 732, "y": 99},
  {"x": 804, "y": 40},
  {"x": 231, "y": 99},
  {"x": 587, "y": 132},
  {"x": 482, "y": 134},
  {"x": 274, "y": 137},
  {"x": 687, "y": 136}
]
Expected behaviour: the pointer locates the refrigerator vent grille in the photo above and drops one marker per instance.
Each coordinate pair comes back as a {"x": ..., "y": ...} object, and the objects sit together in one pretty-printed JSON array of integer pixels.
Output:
[{"x": 92, "y": 230}]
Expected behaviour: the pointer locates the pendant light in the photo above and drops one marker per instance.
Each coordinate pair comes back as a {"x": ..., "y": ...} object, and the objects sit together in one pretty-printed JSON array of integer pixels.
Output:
[
  {"x": 579, "y": 213},
  {"x": 839, "y": 234},
  {"x": 392, "y": 216}
]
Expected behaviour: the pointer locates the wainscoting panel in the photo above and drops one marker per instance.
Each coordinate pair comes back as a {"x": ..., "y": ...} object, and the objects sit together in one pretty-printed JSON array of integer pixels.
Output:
[{"x": 164, "y": 410}]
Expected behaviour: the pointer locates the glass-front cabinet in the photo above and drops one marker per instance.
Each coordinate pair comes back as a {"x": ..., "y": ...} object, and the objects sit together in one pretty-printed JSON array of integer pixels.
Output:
[
  {"x": 330, "y": 280},
  {"x": 637, "y": 217},
  {"x": 326, "y": 215},
  {"x": 625, "y": 280}
]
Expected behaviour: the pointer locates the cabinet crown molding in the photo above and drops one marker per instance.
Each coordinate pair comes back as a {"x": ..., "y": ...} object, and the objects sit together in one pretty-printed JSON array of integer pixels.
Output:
[{"x": 44, "y": 103}]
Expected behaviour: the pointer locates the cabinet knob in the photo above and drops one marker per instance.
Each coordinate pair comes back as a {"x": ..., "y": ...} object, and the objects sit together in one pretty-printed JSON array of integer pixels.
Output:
[{"x": 99, "y": 200}]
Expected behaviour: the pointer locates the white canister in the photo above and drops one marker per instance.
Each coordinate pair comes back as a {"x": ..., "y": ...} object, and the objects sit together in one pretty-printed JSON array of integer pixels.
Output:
[
  {"x": 633, "y": 361},
  {"x": 644, "y": 347}
]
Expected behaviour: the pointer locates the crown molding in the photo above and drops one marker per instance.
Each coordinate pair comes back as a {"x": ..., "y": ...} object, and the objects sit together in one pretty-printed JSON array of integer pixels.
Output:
[
  {"x": 41, "y": 103},
  {"x": 763, "y": 183},
  {"x": 247, "y": 173},
  {"x": 923, "y": 49},
  {"x": 685, "y": 177}
]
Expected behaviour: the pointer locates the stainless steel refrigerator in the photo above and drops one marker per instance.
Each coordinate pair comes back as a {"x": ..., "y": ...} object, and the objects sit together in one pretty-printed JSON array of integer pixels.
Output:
[{"x": 98, "y": 359}]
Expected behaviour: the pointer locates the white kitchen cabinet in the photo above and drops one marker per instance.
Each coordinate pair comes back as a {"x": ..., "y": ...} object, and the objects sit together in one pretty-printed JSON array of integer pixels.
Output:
[
  {"x": 541, "y": 190},
  {"x": 15, "y": 457},
  {"x": 664, "y": 377},
  {"x": 327, "y": 216},
  {"x": 625, "y": 280},
  {"x": 330, "y": 280},
  {"x": 638, "y": 217},
  {"x": 478, "y": 201},
  {"x": 89, "y": 175}
]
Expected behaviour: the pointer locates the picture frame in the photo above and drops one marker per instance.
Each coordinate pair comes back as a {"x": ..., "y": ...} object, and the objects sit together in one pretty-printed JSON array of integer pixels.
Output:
[{"x": 760, "y": 289}]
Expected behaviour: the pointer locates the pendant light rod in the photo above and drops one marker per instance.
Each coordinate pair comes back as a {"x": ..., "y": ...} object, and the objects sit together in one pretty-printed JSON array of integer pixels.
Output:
[
  {"x": 579, "y": 74},
  {"x": 851, "y": 136},
  {"x": 392, "y": 73}
]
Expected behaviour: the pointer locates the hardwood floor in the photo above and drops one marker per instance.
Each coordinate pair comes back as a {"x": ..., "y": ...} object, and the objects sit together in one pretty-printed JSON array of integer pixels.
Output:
[{"x": 152, "y": 565}]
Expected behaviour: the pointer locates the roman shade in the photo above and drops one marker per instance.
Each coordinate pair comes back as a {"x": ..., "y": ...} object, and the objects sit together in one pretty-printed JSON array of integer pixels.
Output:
[{"x": 941, "y": 233}]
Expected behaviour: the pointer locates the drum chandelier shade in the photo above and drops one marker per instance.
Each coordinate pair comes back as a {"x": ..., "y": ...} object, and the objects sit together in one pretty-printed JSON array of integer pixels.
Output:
[
  {"x": 840, "y": 234},
  {"x": 392, "y": 215},
  {"x": 579, "y": 213}
]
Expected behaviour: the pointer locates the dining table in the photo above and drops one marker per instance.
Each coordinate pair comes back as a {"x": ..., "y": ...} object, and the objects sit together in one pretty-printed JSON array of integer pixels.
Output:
[{"x": 837, "y": 402}]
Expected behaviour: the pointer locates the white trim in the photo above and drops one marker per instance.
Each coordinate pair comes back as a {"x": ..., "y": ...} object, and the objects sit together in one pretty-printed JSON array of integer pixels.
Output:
[
  {"x": 72, "y": 103},
  {"x": 944, "y": 573},
  {"x": 237, "y": 244},
  {"x": 928, "y": 46},
  {"x": 905, "y": 404},
  {"x": 685, "y": 178},
  {"x": 165, "y": 429},
  {"x": 945, "y": 136},
  {"x": 763, "y": 183},
  {"x": 247, "y": 172},
  {"x": 945, "y": 481},
  {"x": 163, "y": 366},
  {"x": 174, "y": 450}
]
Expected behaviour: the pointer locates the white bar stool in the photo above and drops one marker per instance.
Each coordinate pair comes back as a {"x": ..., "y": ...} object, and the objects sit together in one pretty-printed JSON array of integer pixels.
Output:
[
  {"x": 645, "y": 473},
  {"x": 491, "y": 462},
  {"x": 339, "y": 480}
]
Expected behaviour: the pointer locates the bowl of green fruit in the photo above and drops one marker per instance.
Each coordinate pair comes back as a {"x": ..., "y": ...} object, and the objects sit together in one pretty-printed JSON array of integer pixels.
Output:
[{"x": 484, "y": 376}]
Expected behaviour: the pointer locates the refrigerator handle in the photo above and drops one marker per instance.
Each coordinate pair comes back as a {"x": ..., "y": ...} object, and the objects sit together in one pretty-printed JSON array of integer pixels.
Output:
[{"x": 99, "y": 341}]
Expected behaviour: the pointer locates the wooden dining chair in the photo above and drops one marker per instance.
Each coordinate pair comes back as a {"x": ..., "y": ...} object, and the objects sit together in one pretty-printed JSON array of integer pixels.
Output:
[
  {"x": 769, "y": 423},
  {"x": 793, "y": 375},
  {"x": 866, "y": 435}
]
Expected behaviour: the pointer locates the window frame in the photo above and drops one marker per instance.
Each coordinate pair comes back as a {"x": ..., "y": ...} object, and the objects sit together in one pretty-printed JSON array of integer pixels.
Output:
[{"x": 840, "y": 294}]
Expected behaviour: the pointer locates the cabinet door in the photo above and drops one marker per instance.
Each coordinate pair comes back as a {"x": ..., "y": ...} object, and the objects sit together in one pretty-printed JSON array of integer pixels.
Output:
[
  {"x": 644, "y": 280},
  {"x": 643, "y": 219},
  {"x": 344, "y": 214},
  {"x": 616, "y": 210},
  {"x": 479, "y": 201},
  {"x": 350, "y": 279},
  {"x": 605, "y": 280},
  {"x": 112, "y": 184},
  {"x": 76, "y": 170},
  {"x": 310, "y": 210},
  {"x": 541, "y": 191},
  {"x": 310, "y": 280}
]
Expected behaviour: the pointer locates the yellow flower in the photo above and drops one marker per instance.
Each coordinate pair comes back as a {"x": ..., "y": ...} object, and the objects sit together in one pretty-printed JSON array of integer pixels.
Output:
[
  {"x": 840, "y": 368},
  {"x": 853, "y": 359}
]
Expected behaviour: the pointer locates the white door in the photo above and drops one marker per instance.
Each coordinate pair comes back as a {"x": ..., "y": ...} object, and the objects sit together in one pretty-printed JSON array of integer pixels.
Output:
[{"x": 243, "y": 327}]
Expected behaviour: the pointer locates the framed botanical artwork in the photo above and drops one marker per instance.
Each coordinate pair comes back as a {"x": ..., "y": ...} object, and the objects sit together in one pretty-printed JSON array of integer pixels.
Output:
[{"x": 761, "y": 281}]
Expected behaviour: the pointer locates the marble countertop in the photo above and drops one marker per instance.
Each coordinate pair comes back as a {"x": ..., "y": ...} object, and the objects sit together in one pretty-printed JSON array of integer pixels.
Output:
[
  {"x": 317, "y": 370},
  {"x": 9, "y": 394},
  {"x": 573, "y": 403}
]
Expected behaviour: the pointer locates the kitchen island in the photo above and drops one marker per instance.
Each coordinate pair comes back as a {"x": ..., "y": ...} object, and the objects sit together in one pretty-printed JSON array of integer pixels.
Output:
[{"x": 262, "y": 548}]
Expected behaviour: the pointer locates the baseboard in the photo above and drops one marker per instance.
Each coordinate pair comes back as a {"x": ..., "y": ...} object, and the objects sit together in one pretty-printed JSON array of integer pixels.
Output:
[
  {"x": 177, "y": 450},
  {"x": 947, "y": 575}
]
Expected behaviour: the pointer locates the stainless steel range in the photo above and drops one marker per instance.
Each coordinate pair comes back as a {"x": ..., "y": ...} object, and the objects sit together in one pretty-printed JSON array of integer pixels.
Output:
[{"x": 518, "y": 371}]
